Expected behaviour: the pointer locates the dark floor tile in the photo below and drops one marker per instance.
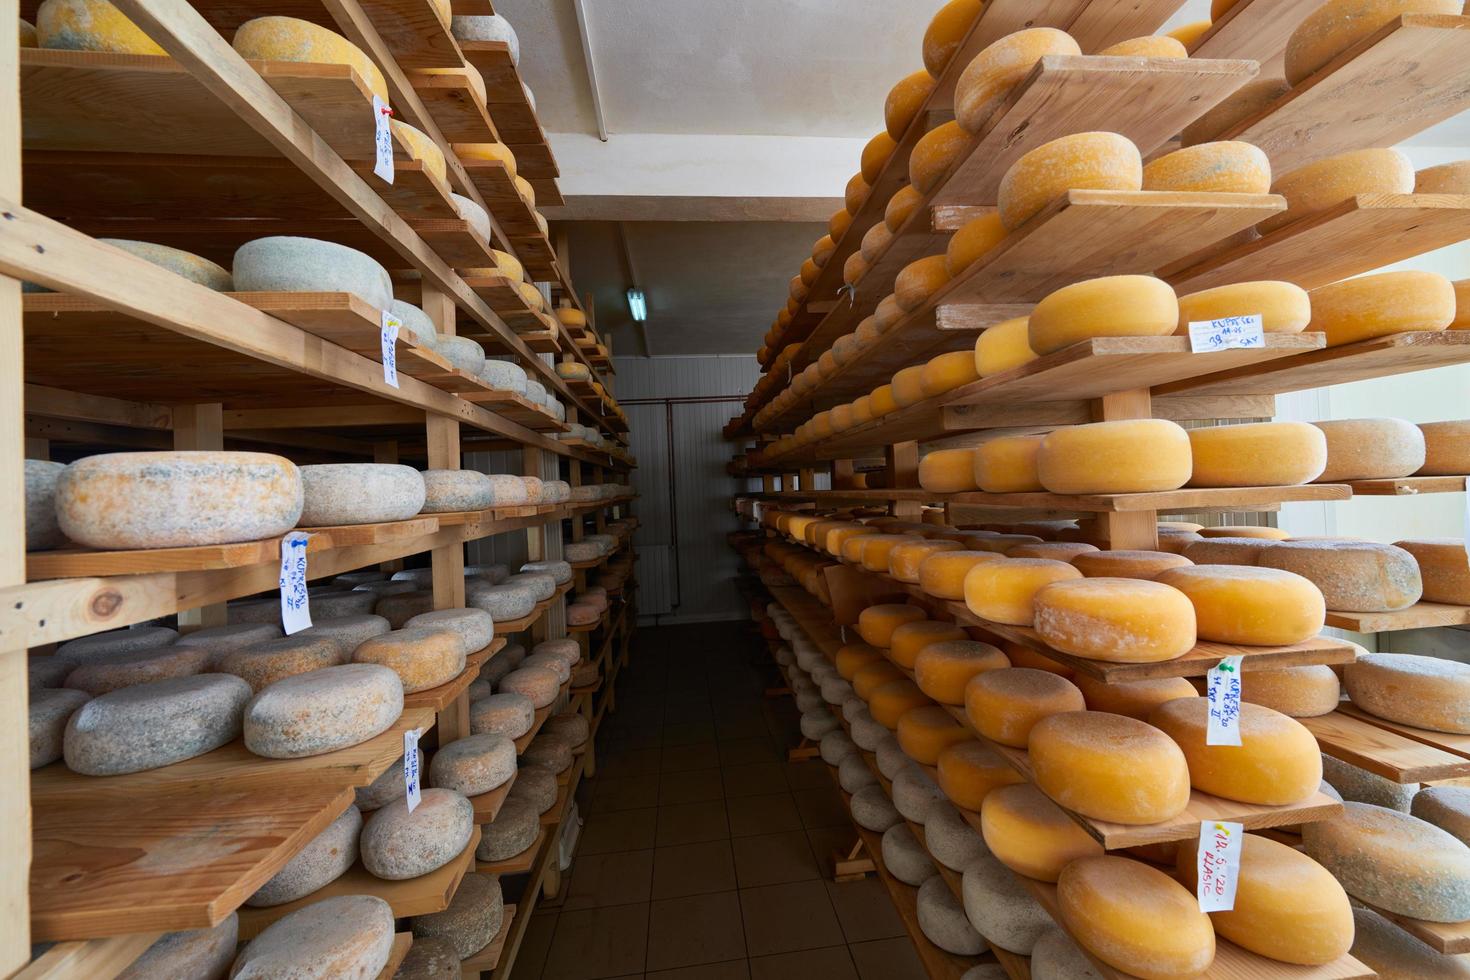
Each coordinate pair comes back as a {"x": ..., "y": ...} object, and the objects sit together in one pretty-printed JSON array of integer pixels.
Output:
[
  {"x": 693, "y": 930},
  {"x": 690, "y": 787},
  {"x": 691, "y": 823},
  {"x": 730, "y": 970},
  {"x": 619, "y": 878},
  {"x": 772, "y": 859},
  {"x": 864, "y": 910},
  {"x": 693, "y": 869},
  {"x": 624, "y": 793},
  {"x": 789, "y": 917},
  {"x": 813, "y": 774},
  {"x": 755, "y": 779},
  {"x": 686, "y": 708},
  {"x": 688, "y": 733},
  {"x": 700, "y": 755},
  {"x": 594, "y": 943},
  {"x": 830, "y": 963},
  {"x": 745, "y": 751},
  {"x": 536, "y": 943},
  {"x": 620, "y": 830},
  {"x": 887, "y": 959},
  {"x": 822, "y": 808},
  {"x": 753, "y": 726},
  {"x": 622, "y": 763},
  {"x": 770, "y": 813},
  {"x": 828, "y": 842}
]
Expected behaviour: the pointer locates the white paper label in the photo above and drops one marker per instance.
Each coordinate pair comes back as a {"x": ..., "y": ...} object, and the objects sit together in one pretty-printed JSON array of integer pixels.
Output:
[
  {"x": 391, "y": 325},
  {"x": 1225, "y": 333},
  {"x": 1218, "y": 864},
  {"x": 295, "y": 611},
  {"x": 382, "y": 140},
  {"x": 411, "y": 767},
  {"x": 1223, "y": 691}
]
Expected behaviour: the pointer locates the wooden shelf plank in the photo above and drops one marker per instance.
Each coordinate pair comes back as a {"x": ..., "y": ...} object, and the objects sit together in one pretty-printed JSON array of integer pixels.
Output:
[
  {"x": 1255, "y": 29},
  {"x": 1421, "y": 615},
  {"x": 1388, "y": 87},
  {"x": 487, "y": 805},
  {"x": 1185, "y": 500},
  {"x": 517, "y": 408},
  {"x": 1458, "y": 745},
  {"x": 502, "y": 296},
  {"x": 436, "y": 699},
  {"x": 402, "y": 942},
  {"x": 1446, "y": 937},
  {"x": 1382, "y": 751},
  {"x": 514, "y": 213},
  {"x": 516, "y": 864},
  {"x": 510, "y": 108},
  {"x": 455, "y": 106},
  {"x": 1408, "y": 486}
]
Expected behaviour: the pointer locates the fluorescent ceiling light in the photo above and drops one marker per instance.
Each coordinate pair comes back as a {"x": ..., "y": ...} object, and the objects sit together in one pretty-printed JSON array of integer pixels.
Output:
[{"x": 637, "y": 305}]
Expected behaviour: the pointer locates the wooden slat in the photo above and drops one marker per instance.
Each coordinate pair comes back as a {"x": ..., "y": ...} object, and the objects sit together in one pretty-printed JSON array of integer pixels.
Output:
[
  {"x": 438, "y": 698},
  {"x": 1379, "y": 750},
  {"x": 516, "y": 864},
  {"x": 517, "y": 408},
  {"x": 95, "y": 959},
  {"x": 1421, "y": 615},
  {"x": 502, "y": 198},
  {"x": 1255, "y": 29},
  {"x": 411, "y": 29},
  {"x": 1408, "y": 486},
  {"x": 1450, "y": 938},
  {"x": 402, "y": 942},
  {"x": 455, "y": 105},
  {"x": 1450, "y": 742},
  {"x": 487, "y": 805}
]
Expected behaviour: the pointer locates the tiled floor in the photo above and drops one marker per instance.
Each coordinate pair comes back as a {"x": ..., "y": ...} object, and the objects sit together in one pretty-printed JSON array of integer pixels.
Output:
[{"x": 705, "y": 855}]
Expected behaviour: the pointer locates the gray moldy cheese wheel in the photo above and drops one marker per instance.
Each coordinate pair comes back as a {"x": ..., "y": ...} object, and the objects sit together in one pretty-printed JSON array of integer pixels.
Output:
[
  {"x": 1056, "y": 957},
  {"x": 447, "y": 491},
  {"x": 102, "y": 645},
  {"x": 569, "y": 727},
  {"x": 1393, "y": 954},
  {"x": 475, "y": 628},
  {"x": 1371, "y": 449},
  {"x": 536, "y": 787},
  {"x": 560, "y": 571},
  {"x": 288, "y": 264},
  {"x": 237, "y": 636},
  {"x": 580, "y": 551},
  {"x": 540, "y": 684},
  {"x": 508, "y": 713},
  {"x": 514, "y": 829},
  {"x": 952, "y": 842},
  {"x": 904, "y": 858},
  {"x": 462, "y": 352},
  {"x": 429, "y": 959},
  {"x": 359, "y": 493},
  {"x": 348, "y": 632},
  {"x": 321, "y": 862},
  {"x": 565, "y": 649},
  {"x": 1354, "y": 576},
  {"x": 556, "y": 492},
  {"x": 153, "y": 725},
  {"x": 400, "y": 608},
  {"x": 1425, "y": 692},
  {"x": 1394, "y": 862},
  {"x": 145, "y": 666},
  {"x": 252, "y": 611},
  {"x": 1447, "y": 807},
  {"x": 475, "y": 914},
  {"x": 815, "y": 725},
  {"x": 43, "y": 672},
  {"x": 853, "y": 774},
  {"x": 914, "y": 792},
  {"x": 583, "y": 614},
  {"x": 1446, "y": 449},
  {"x": 1226, "y": 551},
  {"x": 872, "y": 809},
  {"x": 265, "y": 663},
  {"x": 494, "y": 574},
  {"x": 557, "y": 665},
  {"x": 1444, "y": 567},
  {"x": 418, "y": 327},
  {"x": 49, "y": 711},
  {"x": 1001, "y": 908},
  {"x": 508, "y": 490},
  {"x": 942, "y": 920},
  {"x": 191, "y": 953},
  {"x": 836, "y": 746},
  {"x": 395, "y": 587},
  {"x": 386, "y": 788},
  {"x": 177, "y": 499},
  {"x": 550, "y": 754},
  {"x": 42, "y": 529},
  {"x": 422, "y": 658},
  {"x": 542, "y": 587},
  {"x": 1298, "y": 692},
  {"x": 474, "y": 764},
  {"x": 176, "y": 260},
  {"x": 361, "y": 575},
  {"x": 396, "y": 844},
  {"x": 504, "y": 375},
  {"x": 891, "y": 758},
  {"x": 1348, "y": 782},
  {"x": 504, "y": 602},
  {"x": 333, "y": 605},
  {"x": 322, "y": 711},
  {"x": 422, "y": 578},
  {"x": 345, "y": 936}
]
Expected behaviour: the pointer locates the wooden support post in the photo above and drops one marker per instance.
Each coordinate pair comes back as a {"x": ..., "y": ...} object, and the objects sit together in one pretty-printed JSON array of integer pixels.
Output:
[
  {"x": 769, "y": 484},
  {"x": 807, "y": 480},
  {"x": 38, "y": 447},
  {"x": 1133, "y": 530},
  {"x": 901, "y": 464},
  {"x": 200, "y": 427},
  {"x": 842, "y": 476}
]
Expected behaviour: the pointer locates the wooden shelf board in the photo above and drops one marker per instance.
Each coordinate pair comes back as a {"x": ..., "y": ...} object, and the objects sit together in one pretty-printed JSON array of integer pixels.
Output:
[
  {"x": 436, "y": 699},
  {"x": 1255, "y": 29},
  {"x": 410, "y": 29},
  {"x": 512, "y": 212},
  {"x": 1186, "y": 500},
  {"x": 501, "y": 295},
  {"x": 1421, "y": 615},
  {"x": 1454, "y": 744},
  {"x": 1383, "y": 751},
  {"x": 517, "y": 864},
  {"x": 402, "y": 943},
  {"x": 510, "y": 626},
  {"x": 558, "y": 811},
  {"x": 487, "y": 805},
  {"x": 455, "y": 106},
  {"x": 1388, "y": 87},
  {"x": 517, "y": 408},
  {"x": 488, "y": 957},
  {"x": 537, "y": 255},
  {"x": 1449, "y": 938},
  {"x": 1408, "y": 486},
  {"x": 423, "y": 895}
]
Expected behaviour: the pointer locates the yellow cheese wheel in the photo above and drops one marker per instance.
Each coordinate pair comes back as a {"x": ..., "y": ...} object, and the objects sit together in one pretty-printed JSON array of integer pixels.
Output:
[
  {"x": 877, "y": 623},
  {"x": 1258, "y": 454},
  {"x": 841, "y": 418},
  {"x": 904, "y": 101},
  {"x": 883, "y": 401},
  {"x": 856, "y": 193},
  {"x": 1247, "y": 102},
  {"x": 1228, "y": 167},
  {"x": 290, "y": 39},
  {"x": 903, "y": 203},
  {"x": 1244, "y": 531},
  {"x": 90, "y": 25},
  {"x": 1008, "y": 464},
  {"x": 1127, "y": 564},
  {"x": 919, "y": 280},
  {"x": 1426, "y": 692},
  {"x": 815, "y": 534},
  {"x": 1004, "y": 705},
  {"x": 875, "y": 154},
  {"x": 1119, "y": 620},
  {"x": 1150, "y": 46},
  {"x": 909, "y": 638},
  {"x": 975, "y": 240},
  {"x": 867, "y": 333},
  {"x": 1136, "y": 699},
  {"x": 1339, "y": 24},
  {"x": 798, "y": 524},
  {"x": 988, "y": 79},
  {"x": 823, "y": 249},
  {"x": 875, "y": 549},
  {"x": 1447, "y": 178},
  {"x": 1277, "y": 764},
  {"x": 1218, "y": 8},
  {"x": 1287, "y": 906},
  {"x": 1443, "y": 566},
  {"x": 1135, "y": 918},
  {"x": 855, "y": 656},
  {"x": 908, "y": 386},
  {"x": 942, "y": 574},
  {"x": 888, "y": 312},
  {"x": 1005, "y": 591},
  {"x": 1021, "y": 655},
  {"x": 969, "y": 771},
  {"x": 926, "y": 731},
  {"x": 1127, "y": 456},
  {"x": 1113, "y": 306},
  {"x": 487, "y": 151},
  {"x": 1324, "y": 183},
  {"x": 934, "y": 153},
  {"x": 1030, "y": 834},
  {"x": 1055, "y": 550},
  {"x": 838, "y": 224},
  {"x": 1369, "y": 449},
  {"x": 1226, "y": 551},
  {"x": 862, "y": 410},
  {"x": 946, "y": 31},
  {"x": 822, "y": 425},
  {"x": 1297, "y": 692},
  {"x": 890, "y": 702},
  {"x": 904, "y": 559},
  {"x": 943, "y": 669},
  {"x": 1248, "y": 605},
  {"x": 854, "y": 268},
  {"x": 1082, "y": 161},
  {"x": 999, "y": 543},
  {"x": 1004, "y": 347},
  {"x": 948, "y": 471},
  {"x": 27, "y": 35},
  {"x": 946, "y": 372},
  {"x": 875, "y": 242},
  {"x": 1109, "y": 767},
  {"x": 839, "y": 536},
  {"x": 809, "y": 270},
  {"x": 1382, "y": 304},
  {"x": 1446, "y": 448},
  {"x": 870, "y": 677},
  {"x": 1284, "y": 307},
  {"x": 797, "y": 289},
  {"x": 1189, "y": 34},
  {"x": 524, "y": 188}
]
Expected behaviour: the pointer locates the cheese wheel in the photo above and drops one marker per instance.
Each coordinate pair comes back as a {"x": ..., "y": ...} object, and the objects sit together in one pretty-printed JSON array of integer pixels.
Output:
[
  {"x": 883, "y": 401},
  {"x": 1248, "y": 605},
  {"x": 837, "y": 225},
  {"x": 948, "y": 471},
  {"x": 841, "y": 417},
  {"x": 1128, "y": 456},
  {"x": 1136, "y": 699},
  {"x": 904, "y": 559},
  {"x": 1135, "y": 918},
  {"x": 1226, "y": 551},
  {"x": 27, "y": 34},
  {"x": 1004, "y": 347},
  {"x": 1149, "y": 46},
  {"x": 1443, "y": 567},
  {"x": 1030, "y": 834},
  {"x": 1248, "y": 101},
  {"x": 969, "y": 771},
  {"x": 89, "y": 25},
  {"x": 192, "y": 267},
  {"x": 927, "y": 731},
  {"x": 875, "y": 242},
  {"x": 1227, "y": 167},
  {"x": 1082, "y": 161},
  {"x": 934, "y": 153},
  {"x": 1287, "y": 906},
  {"x": 1425, "y": 692},
  {"x": 1127, "y": 564},
  {"x": 423, "y": 149},
  {"x": 1021, "y": 655},
  {"x": 493, "y": 152},
  {"x": 1284, "y": 307},
  {"x": 1005, "y": 591},
  {"x": 1354, "y": 576},
  {"x": 989, "y": 79},
  {"x": 1446, "y": 447},
  {"x": 875, "y": 548},
  {"x": 904, "y": 101},
  {"x": 1004, "y": 705},
  {"x": 888, "y": 312},
  {"x": 1189, "y": 34},
  {"x": 856, "y": 193},
  {"x": 942, "y": 669},
  {"x": 809, "y": 270},
  {"x": 919, "y": 280},
  {"x": 1447, "y": 807},
  {"x": 854, "y": 656},
  {"x": 910, "y": 638},
  {"x": 1008, "y": 464},
  {"x": 838, "y": 536},
  {"x": 877, "y": 623},
  {"x": 946, "y": 31},
  {"x": 1339, "y": 24},
  {"x": 946, "y": 372},
  {"x": 822, "y": 250},
  {"x": 875, "y": 154},
  {"x": 1325, "y": 183},
  {"x": 1393, "y": 954},
  {"x": 1297, "y": 692},
  {"x": 1109, "y": 767},
  {"x": 291, "y": 39},
  {"x": 854, "y": 268},
  {"x": 942, "y": 573},
  {"x": 1055, "y": 550},
  {"x": 1118, "y": 620},
  {"x": 1244, "y": 531},
  {"x": 1277, "y": 764},
  {"x": 869, "y": 678},
  {"x": 901, "y": 205},
  {"x": 1113, "y": 306},
  {"x": 1371, "y": 449},
  {"x": 890, "y": 702},
  {"x": 908, "y": 386}
]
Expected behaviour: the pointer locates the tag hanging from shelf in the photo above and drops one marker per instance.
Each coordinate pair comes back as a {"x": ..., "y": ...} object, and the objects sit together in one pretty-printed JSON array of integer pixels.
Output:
[
  {"x": 1218, "y": 864},
  {"x": 295, "y": 607},
  {"x": 382, "y": 140}
]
